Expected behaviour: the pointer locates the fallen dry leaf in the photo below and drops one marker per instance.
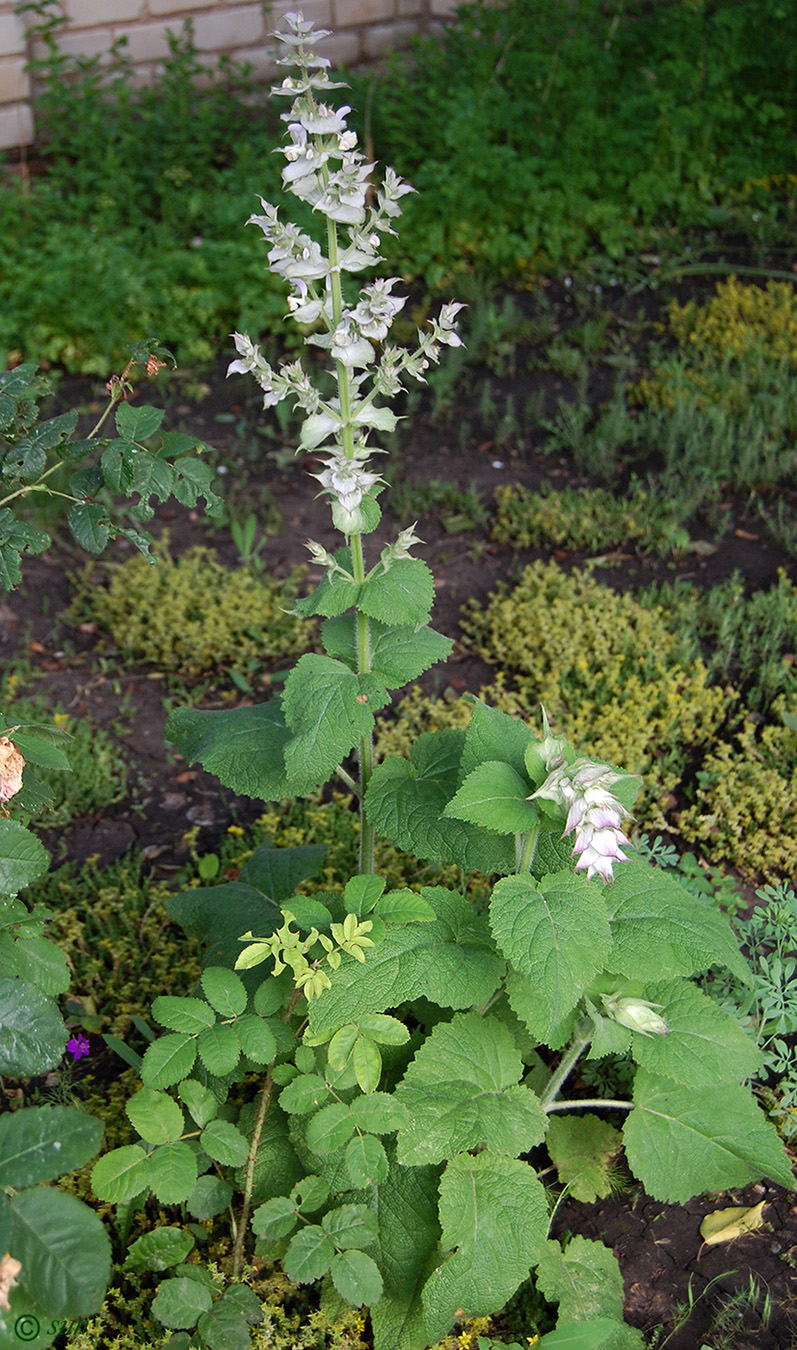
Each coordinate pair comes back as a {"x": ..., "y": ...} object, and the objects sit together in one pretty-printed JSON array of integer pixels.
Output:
[
  {"x": 11, "y": 766},
  {"x": 726, "y": 1224}
]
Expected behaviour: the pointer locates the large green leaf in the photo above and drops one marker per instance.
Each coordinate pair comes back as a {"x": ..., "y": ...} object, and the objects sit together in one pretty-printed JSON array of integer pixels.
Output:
[
  {"x": 398, "y": 654},
  {"x": 278, "y": 871},
  {"x": 22, "y": 857},
  {"x": 220, "y": 915},
  {"x": 681, "y": 1142},
  {"x": 462, "y": 1091},
  {"x": 329, "y": 708},
  {"x": 405, "y": 1205},
  {"x": 406, "y": 799},
  {"x": 556, "y": 933},
  {"x": 660, "y": 930},
  {"x": 32, "y": 1031},
  {"x": 494, "y": 1211},
  {"x": 585, "y": 1281},
  {"x": 44, "y": 1142},
  {"x": 64, "y": 1251},
  {"x": 705, "y": 1046},
  {"x": 402, "y": 595},
  {"x": 334, "y": 594},
  {"x": 244, "y": 748},
  {"x": 496, "y": 797},
  {"x": 451, "y": 961},
  {"x": 493, "y": 734},
  {"x": 180, "y": 1302}
]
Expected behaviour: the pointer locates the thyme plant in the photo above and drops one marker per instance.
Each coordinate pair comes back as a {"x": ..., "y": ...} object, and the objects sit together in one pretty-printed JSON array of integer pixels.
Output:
[{"x": 364, "y": 1079}]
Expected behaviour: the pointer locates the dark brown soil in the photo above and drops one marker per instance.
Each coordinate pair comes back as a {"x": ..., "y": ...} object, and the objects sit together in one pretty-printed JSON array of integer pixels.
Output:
[{"x": 658, "y": 1246}]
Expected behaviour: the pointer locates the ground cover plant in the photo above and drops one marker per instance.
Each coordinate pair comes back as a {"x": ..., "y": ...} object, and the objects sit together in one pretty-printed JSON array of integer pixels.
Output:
[{"x": 742, "y": 691}]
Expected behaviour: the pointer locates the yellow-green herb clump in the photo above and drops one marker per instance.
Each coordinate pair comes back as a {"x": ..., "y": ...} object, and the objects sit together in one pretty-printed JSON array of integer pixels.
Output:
[
  {"x": 745, "y": 811},
  {"x": 737, "y": 351},
  {"x": 740, "y": 321},
  {"x": 605, "y": 667},
  {"x": 191, "y": 616},
  {"x": 590, "y": 519}
]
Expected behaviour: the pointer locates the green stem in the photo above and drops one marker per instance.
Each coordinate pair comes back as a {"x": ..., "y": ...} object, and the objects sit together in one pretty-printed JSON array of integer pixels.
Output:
[
  {"x": 366, "y": 747},
  {"x": 39, "y": 487},
  {"x": 564, "y": 1071},
  {"x": 529, "y": 849},
  {"x": 592, "y": 1102}
]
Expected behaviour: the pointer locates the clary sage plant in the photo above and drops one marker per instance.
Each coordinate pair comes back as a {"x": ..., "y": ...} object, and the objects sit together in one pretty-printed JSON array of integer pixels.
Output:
[{"x": 369, "y": 1080}]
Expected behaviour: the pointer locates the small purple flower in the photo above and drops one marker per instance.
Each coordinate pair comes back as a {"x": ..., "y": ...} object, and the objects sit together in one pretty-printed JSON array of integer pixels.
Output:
[{"x": 78, "y": 1046}]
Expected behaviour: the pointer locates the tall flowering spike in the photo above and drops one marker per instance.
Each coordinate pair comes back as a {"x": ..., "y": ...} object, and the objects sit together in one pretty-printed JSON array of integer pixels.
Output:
[
  {"x": 592, "y": 811},
  {"x": 324, "y": 168}
]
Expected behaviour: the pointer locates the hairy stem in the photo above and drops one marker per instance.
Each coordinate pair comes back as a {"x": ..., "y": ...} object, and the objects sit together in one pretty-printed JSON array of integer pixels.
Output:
[
  {"x": 593, "y": 1102},
  {"x": 366, "y": 747},
  {"x": 528, "y": 851},
  {"x": 249, "y": 1179},
  {"x": 564, "y": 1071}
]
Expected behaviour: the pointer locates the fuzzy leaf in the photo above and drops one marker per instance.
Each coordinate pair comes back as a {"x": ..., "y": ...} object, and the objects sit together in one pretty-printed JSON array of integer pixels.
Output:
[
  {"x": 244, "y": 747},
  {"x": 462, "y": 1091},
  {"x": 402, "y": 654},
  {"x": 555, "y": 932},
  {"x": 660, "y": 930},
  {"x": 210, "y": 1196},
  {"x": 220, "y": 915},
  {"x": 491, "y": 735},
  {"x": 278, "y": 871},
  {"x": 583, "y": 1149},
  {"x": 378, "y": 1113},
  {"x": 585, "y": 1281},
  {"x": 681, "y": 1142},
  {"x": 350, "y": 1226},
  {"x": 45, "y": 1142},
  {"x": 405, "y": 1205},
  {"x": 403, "y": 595},
  {"x": 450, "y": 961},
  {"x": 404, "y": 907},
  {"x": 495, "y": 797},
  {"x": 329, "y": 708},
  {"x": 334, "y": 593},
  {"x": 493, "y": 1210},
  {"x": 705, "y": 1046},
  {"x": 406, "y": 799}
]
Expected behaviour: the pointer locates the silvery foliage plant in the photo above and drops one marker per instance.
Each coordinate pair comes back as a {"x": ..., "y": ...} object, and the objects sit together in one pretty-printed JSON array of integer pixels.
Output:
[{"x": 413, "y": 1054}]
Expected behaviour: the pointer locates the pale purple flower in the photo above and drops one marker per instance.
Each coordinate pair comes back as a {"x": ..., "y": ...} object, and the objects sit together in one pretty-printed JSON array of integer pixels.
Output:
[
  {"x": 593, "y": 812},
  {"x": 78, "y": 1046}
]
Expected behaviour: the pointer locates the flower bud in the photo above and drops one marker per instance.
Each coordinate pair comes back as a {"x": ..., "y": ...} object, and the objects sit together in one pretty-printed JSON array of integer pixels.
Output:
[{"x": 637, "y": 1014}]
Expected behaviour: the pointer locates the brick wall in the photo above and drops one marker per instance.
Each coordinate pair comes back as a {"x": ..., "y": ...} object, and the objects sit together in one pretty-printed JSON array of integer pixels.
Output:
[{"x": 363, "y": 30}]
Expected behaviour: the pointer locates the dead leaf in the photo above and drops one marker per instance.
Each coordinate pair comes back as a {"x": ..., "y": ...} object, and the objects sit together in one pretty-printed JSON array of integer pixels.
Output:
[
  {"x": 726, "y": 1224},
  {"x": 11, "y": 766},
  {"x": 9, "y": 1270},
  {"x": 745, "y": 534}
]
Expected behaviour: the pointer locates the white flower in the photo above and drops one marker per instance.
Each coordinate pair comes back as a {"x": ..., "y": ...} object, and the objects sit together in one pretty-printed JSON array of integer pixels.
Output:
[
  {"x": 347, "y": 481},
  {"x": 377, "y": 309}
]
